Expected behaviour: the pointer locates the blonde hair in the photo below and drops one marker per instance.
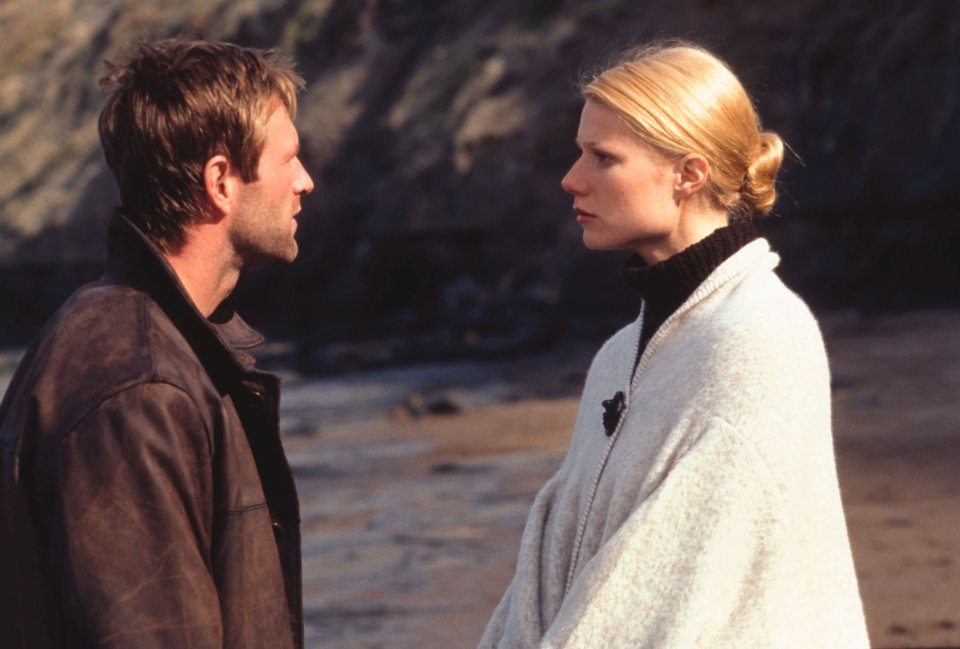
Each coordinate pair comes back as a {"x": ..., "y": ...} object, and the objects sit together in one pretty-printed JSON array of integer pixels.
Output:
[
  {"x": 681, "y": 99},
  {"x": 175, "y": 104}
]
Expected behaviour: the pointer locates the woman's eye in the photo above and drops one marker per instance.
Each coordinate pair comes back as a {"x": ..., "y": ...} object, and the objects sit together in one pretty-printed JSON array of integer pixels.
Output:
[{"x": 602, "y": 157}]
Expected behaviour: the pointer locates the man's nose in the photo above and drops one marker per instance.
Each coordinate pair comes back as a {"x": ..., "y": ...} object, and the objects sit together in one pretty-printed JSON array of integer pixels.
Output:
[{"x": 305, "y": 184}]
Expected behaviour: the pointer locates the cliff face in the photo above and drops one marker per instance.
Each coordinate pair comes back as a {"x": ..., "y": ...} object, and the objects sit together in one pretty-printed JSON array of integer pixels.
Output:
[{"x": 438, "y": 132}]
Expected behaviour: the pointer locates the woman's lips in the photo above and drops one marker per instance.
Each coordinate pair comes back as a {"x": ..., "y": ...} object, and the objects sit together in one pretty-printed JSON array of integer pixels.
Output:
[{"x": 583, "y": 216}]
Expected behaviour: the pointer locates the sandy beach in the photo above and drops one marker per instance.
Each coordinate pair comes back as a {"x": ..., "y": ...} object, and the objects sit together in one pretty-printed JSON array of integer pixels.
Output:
[
  {"x": 412, "y": 521},
  {"x": 415, "y": 482}
]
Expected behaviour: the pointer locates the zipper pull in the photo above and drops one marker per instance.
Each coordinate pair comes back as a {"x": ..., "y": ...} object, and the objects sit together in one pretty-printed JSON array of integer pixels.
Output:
[{"x": 612, "y": 410}]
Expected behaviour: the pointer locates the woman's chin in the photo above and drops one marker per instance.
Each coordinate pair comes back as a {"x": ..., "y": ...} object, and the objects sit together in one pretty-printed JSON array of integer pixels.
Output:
[{"x": 593, "y": 242}]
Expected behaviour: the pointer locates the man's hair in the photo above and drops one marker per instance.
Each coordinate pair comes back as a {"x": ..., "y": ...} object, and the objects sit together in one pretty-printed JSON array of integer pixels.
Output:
[{"x": 174, "y": 105}]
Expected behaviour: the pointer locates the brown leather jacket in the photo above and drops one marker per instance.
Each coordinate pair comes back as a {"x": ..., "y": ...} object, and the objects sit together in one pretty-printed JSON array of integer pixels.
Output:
[{"x": 145, "y": 498}]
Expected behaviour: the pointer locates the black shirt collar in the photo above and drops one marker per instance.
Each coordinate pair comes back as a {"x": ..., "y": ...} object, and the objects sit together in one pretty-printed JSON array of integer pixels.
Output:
[{"x": 666, "y": 285}]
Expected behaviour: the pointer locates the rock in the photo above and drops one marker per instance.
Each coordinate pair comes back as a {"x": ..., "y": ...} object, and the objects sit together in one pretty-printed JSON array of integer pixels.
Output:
[
  {"x": 446, "y": 402},
  {"x": 438, "y": 133}
]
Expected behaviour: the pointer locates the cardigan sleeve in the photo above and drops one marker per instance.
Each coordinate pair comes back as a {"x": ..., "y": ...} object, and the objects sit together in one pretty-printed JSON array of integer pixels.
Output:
[{"x": 694, "y": 564}]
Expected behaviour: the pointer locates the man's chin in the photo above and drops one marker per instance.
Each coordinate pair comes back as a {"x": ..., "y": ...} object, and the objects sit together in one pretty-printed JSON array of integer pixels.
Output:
[
  {"x": 287, "y": 257},
  {"x": 271, "y": 257},
  {"x": 292, "y": 250}
]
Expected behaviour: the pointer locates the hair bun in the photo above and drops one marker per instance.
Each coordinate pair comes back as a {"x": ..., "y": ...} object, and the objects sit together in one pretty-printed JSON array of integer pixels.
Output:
[{"x": 758, "y": 191}]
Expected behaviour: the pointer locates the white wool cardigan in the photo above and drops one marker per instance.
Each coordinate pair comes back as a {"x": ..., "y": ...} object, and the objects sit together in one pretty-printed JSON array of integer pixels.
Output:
[{"x": 711, "y": 517}]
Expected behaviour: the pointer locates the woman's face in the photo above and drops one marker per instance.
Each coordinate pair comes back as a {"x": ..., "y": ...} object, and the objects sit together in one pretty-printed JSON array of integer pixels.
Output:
[{"x": 623, "y": 191}]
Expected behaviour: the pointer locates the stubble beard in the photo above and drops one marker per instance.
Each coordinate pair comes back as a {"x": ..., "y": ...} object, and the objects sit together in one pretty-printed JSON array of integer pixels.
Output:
[{"x": 261, "y": 238}]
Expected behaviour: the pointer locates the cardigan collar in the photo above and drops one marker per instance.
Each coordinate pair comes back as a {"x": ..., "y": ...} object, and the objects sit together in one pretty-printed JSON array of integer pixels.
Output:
[{"x": 666, "y": 285}]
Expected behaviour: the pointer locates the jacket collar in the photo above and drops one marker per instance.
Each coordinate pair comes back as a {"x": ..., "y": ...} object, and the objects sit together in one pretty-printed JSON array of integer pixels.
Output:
[{"x": 219, "y": 342}]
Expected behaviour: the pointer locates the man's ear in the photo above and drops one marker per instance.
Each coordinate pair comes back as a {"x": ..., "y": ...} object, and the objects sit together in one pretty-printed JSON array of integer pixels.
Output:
[
  {"x": 221, "y": 182},
  {"x": 692, "y": 171}
]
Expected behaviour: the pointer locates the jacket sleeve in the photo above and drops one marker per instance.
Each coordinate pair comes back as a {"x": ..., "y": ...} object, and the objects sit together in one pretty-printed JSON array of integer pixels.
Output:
[
  {"x": 129, "y": 488},
  {"x": 694, "y": 564}
]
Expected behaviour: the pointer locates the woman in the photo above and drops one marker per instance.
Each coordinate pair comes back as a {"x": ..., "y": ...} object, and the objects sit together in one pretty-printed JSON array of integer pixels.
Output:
[{"x": 698, "y": 505}]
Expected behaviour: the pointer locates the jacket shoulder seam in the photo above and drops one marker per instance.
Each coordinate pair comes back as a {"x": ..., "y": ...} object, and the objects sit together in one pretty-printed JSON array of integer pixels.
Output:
[{"x": 120, "y": 389}]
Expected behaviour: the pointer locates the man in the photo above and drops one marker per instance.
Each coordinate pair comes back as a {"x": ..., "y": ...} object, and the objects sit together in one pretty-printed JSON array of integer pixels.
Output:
[{"x": 146, "y": 498}]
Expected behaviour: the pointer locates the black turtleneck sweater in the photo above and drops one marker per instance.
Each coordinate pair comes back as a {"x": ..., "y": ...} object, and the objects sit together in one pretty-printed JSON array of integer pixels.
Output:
[{"x": 666, "y": 285}]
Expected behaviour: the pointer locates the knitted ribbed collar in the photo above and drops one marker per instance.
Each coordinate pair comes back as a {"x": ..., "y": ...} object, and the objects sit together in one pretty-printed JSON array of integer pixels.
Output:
[{"x": 664, "y": 286}]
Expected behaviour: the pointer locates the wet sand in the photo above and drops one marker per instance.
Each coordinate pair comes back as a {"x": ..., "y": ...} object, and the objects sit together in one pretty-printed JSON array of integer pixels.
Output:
[
  {"x": 412, "y": 522},
  {"x": 415, "y": 483},
  {"x": 897, "y": 423}
]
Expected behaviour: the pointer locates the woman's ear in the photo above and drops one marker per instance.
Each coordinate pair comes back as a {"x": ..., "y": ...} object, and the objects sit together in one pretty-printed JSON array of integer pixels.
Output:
[
  {"x": 692, "y": 171},
  {"x": 220, "y": 183}
]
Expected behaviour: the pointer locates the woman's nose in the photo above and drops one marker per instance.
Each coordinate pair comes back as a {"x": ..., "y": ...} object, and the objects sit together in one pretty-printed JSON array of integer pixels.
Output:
[{"x": 571, "y": 182}]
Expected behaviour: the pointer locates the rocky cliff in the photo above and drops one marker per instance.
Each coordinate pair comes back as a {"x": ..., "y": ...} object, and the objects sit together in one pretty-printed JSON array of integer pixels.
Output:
[{"x": 438, "y": 132}]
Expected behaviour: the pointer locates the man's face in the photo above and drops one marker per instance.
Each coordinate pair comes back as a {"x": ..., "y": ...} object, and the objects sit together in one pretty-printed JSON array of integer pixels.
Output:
[{"x": 263, "y": 227}]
